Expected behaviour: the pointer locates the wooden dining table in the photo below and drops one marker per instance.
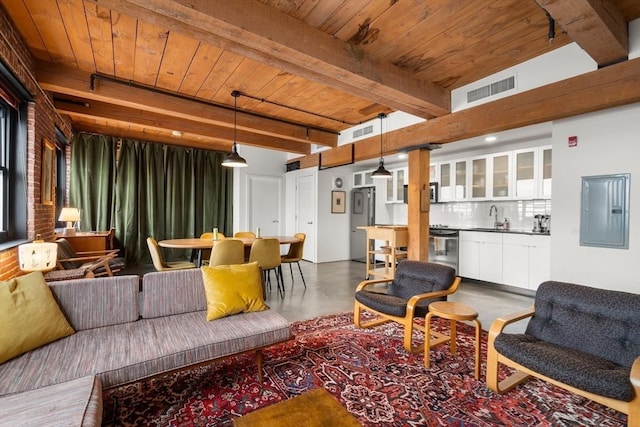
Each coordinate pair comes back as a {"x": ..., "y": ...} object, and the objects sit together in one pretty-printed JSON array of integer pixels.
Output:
[{"x": 198, "y": 245}]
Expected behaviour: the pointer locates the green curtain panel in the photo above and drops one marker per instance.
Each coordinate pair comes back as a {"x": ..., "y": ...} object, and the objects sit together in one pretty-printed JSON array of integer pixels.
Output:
[{"x": 148, "y": 189}]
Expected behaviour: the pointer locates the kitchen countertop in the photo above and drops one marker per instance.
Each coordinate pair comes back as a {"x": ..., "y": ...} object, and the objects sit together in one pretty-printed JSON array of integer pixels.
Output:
[{"x": 492, "y": 230}]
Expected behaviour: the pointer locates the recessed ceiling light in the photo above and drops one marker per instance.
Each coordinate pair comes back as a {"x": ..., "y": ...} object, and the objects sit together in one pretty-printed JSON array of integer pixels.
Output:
[
  {"x": 176, "y": 133},
  {"x": 490, "y": 138},
  {"x": 402, "y": 155}
]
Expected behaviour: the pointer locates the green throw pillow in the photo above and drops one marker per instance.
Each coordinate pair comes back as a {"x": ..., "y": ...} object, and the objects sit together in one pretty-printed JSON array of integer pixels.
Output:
[
  {"x": 29, "y": 316},
  {"x": 232, "y": 289}
]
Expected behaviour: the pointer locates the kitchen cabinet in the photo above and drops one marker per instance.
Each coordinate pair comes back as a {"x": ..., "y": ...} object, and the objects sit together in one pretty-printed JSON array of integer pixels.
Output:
[
  {"x": 526, "y": 260},
  {"x": 395, "y": 185},
  {"x": 481, "y": 256},
  {"x": 532, "y": 173},
  {"x": 453, "y": 180},
  {"x": 363, "y": 179},
  {"x": 490, "y": 177}
]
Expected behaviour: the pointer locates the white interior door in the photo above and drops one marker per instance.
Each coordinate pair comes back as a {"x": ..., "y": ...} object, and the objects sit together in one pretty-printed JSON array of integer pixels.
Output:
[
  {"x": 305, "y": 214},
  {"x": 265, "y": 205}
]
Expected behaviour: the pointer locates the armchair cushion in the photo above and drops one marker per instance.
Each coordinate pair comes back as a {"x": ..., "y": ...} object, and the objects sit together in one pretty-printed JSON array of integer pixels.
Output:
[
  {"x": 567, "y": 365},
  {"x": 412, "y": 278}
]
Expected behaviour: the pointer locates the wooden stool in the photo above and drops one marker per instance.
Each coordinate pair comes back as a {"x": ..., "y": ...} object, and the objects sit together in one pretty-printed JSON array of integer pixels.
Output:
[{"x": 454, "y": 311}]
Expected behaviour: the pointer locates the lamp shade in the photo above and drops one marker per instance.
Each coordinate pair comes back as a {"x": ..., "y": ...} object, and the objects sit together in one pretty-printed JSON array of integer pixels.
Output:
[
  {"x": 38, "y": 256},
  {"x": 69, "y": 215}
]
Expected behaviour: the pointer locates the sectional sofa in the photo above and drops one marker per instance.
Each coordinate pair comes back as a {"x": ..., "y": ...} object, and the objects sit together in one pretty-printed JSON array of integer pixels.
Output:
[{"x": 124, "y": 331}]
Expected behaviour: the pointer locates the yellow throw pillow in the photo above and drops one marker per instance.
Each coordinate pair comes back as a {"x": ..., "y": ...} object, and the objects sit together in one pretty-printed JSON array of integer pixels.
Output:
[
  {"x": 232, "y": 289},
  {"x": 29, "y": 316}
]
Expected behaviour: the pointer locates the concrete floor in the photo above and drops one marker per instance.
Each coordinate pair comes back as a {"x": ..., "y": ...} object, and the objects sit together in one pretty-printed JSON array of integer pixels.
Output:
[{"x": 330, "y": 289}]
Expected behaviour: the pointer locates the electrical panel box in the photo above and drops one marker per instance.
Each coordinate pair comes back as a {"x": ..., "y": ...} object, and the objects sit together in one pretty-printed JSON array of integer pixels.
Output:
[{"x": 604, "y": 211}]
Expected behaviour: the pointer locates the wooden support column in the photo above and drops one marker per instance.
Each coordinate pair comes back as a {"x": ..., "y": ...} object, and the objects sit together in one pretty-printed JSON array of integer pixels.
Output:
[{"x": 418, "y": 204}]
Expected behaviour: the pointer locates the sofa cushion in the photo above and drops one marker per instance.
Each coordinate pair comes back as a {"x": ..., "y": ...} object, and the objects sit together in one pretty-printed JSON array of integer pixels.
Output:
[
  {"x": 72, "y": 403},
  {"x": 573, "y": 367},
  {"x": 79, "y": 299},
  {"x": 172, "y": 292},
  {"x": 600, "y": 322},
  {"x": 232, "y": 289},
  {"x": 29, "y": 316}
]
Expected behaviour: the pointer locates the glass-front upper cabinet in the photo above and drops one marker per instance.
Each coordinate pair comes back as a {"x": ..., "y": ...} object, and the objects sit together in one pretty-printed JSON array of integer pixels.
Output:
[
  {"x": 395, "y": 185},
  {"x": 500, "y": 176},
  {"x": 433, "y": 173},
  {"x": 545, "y": 155},
  {"x": 479, "y": 178},
  {"x": 445, "y": 182},
  {"x": 533, "y": 173},
  {"x": 461, "y": 180}
]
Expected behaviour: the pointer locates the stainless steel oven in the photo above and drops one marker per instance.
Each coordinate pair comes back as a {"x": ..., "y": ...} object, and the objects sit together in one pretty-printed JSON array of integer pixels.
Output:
[{"x": 443, "y": 246}]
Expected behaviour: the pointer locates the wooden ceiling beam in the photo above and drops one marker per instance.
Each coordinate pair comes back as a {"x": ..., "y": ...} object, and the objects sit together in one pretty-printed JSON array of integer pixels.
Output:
[
  {"x": 97, "y": 109},
  {"x": 68, "y": 81},
  {"x": 262, "y": 33},
  {"x": 184, "y": 141},
  {"x": 597, "y": 26},
  {"x": 609, "y": 87}
]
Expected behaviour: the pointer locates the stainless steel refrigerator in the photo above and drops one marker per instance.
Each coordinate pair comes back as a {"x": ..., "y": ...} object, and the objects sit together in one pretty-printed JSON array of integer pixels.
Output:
[{"x": 363, "y": 213}]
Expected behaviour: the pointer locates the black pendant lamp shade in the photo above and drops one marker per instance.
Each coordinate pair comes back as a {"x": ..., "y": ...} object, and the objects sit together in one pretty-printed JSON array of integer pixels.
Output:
[
  {"x": 233, "y": 160},
  {"x": 381, "y": 172}
]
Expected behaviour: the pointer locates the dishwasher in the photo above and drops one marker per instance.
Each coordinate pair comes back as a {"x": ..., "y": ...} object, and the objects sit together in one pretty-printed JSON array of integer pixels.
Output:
[{"x": 443, "y": 246}]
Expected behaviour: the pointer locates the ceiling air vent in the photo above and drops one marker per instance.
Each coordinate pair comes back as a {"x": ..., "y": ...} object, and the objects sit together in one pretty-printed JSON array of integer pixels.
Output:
[
  {"x": 363, "y": 131},
  {"x": 491, "y": 89}
]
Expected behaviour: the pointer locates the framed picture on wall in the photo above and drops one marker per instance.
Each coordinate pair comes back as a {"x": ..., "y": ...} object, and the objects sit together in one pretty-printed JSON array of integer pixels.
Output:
[
  {"x": 338, "y": 202},
  {"x": 47, "y": 177}
]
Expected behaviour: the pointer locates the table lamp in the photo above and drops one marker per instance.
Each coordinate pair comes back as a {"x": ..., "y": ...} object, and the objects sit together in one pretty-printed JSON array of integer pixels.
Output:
[
  {"x": 38, "y": 255},
  {"x": 70, "y": 215}
]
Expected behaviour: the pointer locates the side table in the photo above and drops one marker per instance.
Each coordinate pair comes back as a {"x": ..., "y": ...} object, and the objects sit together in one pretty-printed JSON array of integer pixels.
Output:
[{"x": 455, "y": 312}]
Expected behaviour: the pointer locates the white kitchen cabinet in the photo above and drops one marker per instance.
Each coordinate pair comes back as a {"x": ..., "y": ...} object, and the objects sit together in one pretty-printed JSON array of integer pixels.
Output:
[
  {"x": 490, "y": 177},
  {"x": 363, "y": 179},
  {"x": 395, "y": 185},
  {"x": 532, "y": 173},
  {"x": 526, "y": 260},
  {"x": 481, "y": 256}
]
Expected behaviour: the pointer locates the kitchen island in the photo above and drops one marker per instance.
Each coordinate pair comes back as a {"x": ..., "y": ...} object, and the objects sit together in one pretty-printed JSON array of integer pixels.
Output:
[{"x": 395, "y": 238}]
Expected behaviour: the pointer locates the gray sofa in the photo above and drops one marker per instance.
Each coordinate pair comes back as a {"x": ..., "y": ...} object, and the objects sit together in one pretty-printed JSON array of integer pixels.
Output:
[
  {"x": 124, "y": 335},
  {"x": 585, "y": 340}
]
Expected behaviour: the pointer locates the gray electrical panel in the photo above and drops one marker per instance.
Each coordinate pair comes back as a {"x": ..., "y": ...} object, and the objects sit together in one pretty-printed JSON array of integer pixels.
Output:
[{"x": 604, "y": 211}]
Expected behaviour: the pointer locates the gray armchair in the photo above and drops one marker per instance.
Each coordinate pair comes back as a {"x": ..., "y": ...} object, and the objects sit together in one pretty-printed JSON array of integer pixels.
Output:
[{"x": 415, "y": 286}]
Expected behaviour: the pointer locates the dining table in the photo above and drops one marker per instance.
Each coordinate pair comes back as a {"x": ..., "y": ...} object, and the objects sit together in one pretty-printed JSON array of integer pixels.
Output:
[{"x": 198, "y": 244}]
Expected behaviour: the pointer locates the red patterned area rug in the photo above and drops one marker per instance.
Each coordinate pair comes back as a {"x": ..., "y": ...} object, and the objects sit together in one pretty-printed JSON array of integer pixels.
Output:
[{"x": 366, "y": 370}]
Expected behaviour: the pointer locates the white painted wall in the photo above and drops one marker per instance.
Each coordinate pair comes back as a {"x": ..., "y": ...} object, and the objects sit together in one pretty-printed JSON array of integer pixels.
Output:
[
  {"x": 261, "y": 162},
  {"x": 608, "y": 143}
]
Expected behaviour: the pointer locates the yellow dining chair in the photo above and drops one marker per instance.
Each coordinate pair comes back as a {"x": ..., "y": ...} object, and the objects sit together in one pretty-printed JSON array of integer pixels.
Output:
[
  {"x": 227, "y": 252},
  {"x": 245, "y": 234},
  {"x": 206, "y": 253},
  {"x": 158, "y": 261},
  {"x": 267, "y": 253},
  {"x": 295, "y": 255}
]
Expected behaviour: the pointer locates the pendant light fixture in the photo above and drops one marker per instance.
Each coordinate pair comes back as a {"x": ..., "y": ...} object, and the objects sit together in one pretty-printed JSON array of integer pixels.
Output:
[
  {"x": 381, "y": 172},
  {"x": 233, "y": 159}
]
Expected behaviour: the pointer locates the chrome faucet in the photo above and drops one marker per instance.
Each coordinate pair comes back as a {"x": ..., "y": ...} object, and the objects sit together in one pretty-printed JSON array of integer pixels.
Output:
[{"x": 493, "y": 209}]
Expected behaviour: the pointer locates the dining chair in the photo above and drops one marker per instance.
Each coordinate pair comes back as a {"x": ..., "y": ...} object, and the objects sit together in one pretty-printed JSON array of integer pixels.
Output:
[
  {"x": 267, "y": 253},
  {"x": 158, "y": 260},
  {"x": 295, "y": 255},
  {"x": 206, "y": 253},
  {"x": 245, "y": 234},
  {"x": 227, "y": 252}
]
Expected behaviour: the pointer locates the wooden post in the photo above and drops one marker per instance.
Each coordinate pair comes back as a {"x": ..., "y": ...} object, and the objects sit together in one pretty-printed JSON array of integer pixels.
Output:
[{"x": 418, "y": 204}]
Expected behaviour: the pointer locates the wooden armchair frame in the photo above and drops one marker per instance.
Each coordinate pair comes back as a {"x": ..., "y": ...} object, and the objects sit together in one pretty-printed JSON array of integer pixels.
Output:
[
  {"x": 522, "y": 374},
  {"x": 408, "y": 321},
  {"x": 92, "y": 262}
]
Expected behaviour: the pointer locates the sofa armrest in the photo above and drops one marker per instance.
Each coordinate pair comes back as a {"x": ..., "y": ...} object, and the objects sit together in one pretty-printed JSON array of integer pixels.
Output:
[{"x": 498, "y": 325}]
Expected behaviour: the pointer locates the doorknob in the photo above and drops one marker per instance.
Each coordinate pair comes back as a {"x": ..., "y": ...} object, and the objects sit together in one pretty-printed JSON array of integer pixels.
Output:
[
  {"x": 275, "y": 220},
  {"x": 310, "y": 222}
]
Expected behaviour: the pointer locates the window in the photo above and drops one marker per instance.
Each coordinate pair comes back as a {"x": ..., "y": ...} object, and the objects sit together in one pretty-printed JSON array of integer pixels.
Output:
[{"x": 13, "y": 154}]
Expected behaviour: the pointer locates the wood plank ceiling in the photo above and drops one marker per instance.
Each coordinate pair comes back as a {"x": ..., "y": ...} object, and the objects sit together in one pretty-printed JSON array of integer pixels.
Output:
[{"x": 307, "y": 69}]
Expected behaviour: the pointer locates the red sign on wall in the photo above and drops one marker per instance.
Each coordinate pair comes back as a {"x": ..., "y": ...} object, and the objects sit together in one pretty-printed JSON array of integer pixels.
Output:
[{"x": 573, "y": 141}]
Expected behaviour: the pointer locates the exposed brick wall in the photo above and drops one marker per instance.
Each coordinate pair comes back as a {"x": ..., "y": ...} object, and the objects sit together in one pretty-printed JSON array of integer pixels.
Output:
[{"x": 41, "y": 123}]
